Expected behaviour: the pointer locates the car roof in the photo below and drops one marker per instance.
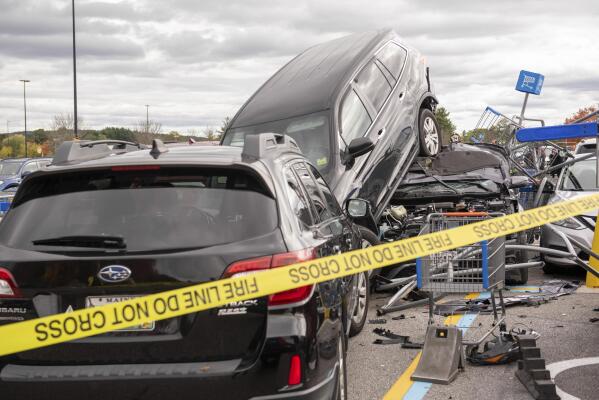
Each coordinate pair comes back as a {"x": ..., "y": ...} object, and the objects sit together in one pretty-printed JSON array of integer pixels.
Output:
[{"x": 309, "y": 82}]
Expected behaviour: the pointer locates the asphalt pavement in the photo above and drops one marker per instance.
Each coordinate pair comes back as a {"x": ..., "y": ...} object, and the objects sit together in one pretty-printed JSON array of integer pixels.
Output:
[{"x": 375, "y": 371}]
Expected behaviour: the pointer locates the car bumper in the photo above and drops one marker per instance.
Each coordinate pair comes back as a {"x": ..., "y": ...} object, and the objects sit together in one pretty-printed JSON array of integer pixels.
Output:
[
  {"x": 552, "y": 240},
  {"x": 265, "y": 379}
]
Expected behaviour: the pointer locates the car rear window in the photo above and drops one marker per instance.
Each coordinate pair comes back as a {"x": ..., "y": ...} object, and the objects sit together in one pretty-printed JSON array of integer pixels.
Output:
[{"x": 152, "y": 210}]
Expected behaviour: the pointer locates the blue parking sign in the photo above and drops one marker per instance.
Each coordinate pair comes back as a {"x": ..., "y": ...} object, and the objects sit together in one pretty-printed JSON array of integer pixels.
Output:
[{"x": 530, "y": 82}]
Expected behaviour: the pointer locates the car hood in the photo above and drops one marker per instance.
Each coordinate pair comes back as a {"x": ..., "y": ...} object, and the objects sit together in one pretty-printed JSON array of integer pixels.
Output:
[{"x": 562, "y": 195}]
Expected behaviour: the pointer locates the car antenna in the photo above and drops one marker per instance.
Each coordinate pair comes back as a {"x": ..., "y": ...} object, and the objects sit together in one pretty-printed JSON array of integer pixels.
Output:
[{"x": 158, "y": 148}]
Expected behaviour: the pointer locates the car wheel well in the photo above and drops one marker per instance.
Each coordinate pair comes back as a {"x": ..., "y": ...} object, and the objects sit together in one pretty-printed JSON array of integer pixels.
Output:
[{"x": 429, "y": 103}]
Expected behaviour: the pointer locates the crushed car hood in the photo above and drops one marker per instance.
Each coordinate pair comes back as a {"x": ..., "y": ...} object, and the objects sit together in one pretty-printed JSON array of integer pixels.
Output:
[{"x": 464, "y": 162}]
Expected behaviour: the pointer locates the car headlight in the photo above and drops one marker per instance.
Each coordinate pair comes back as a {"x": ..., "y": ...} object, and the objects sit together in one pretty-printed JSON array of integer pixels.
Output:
[{"x": 569, "y": 223}]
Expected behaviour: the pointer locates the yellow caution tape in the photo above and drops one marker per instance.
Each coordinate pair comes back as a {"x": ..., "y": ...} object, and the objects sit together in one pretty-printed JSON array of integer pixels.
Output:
[{"x": 59, "y": 328}]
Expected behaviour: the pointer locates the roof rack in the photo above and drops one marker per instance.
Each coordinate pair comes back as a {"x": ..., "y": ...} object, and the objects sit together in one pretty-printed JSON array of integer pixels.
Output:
[
  {"x": 257, "y": 146},
  {"x": 71, "y": 152}
]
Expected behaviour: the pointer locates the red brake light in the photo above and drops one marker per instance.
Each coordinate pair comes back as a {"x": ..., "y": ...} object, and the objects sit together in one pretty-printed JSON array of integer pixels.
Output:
[
  {"x": 247, "y": 266},
  {"x": 295, "y": 371},
  {"x": 287, "y": 297},
  {"x": 8, "y": 286},
  {"x": 294, "y": 295}
]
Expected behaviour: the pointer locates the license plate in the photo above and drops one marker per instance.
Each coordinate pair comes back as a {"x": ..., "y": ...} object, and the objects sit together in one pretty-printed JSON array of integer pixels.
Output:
[{"x": 97, "y": 301}]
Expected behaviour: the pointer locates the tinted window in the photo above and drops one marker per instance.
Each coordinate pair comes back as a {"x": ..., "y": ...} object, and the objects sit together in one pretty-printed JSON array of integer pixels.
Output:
[
  {"x": 580, "y": 176},
  {"x": 354, "y": 117},
  {"x": 30, "y": 167},
  {"x": 8, "y": 168},
  {"x": 314, "y": 194},
  {"x": 297, "y": 201},
  {"x": 169, "y": 208},
  {"x": 392, "y": 56},
  {"x": 373, "y": 84},
  {"x": 332, "y": 204},
  {"x": 311, "y": 132}
]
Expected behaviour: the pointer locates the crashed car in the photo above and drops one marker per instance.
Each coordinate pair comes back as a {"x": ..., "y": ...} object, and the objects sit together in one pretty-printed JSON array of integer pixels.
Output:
[
  {"x": 465, "y": 179},
  {"x": 575, "y": 181},
  {"x": 360, "y": 107}
]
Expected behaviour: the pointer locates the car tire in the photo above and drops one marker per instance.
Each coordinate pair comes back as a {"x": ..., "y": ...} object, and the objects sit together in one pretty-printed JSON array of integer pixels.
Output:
[
  {"x": 549, "y": 268},
  {"x": 341, "y": 388},
  {"x": 429, "y": 133},
  {"x": 360, "y": 312}
]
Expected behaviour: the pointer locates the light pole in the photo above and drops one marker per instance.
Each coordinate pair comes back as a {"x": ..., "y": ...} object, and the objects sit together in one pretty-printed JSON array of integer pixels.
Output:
[
  {"x": 147, "y": 119},
  {"x": 75, "y": 130},
  {"x": 25, "y": 111}
]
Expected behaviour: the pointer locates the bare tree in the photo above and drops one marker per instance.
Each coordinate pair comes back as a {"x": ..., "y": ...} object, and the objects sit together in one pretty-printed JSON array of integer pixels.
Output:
[
  {"x": 150, "y": 127},
  {"x": 211, "y": 134},
  {"x": 65, "y": 122}
]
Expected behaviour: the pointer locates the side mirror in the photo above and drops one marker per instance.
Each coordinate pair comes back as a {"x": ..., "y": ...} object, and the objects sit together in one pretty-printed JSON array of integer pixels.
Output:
[
  {"x": 357, "y": 208},
  {"x": 25, "y": 173},
  {"x": 360, "y": 146},
  {"x": 518, "y": 182}
]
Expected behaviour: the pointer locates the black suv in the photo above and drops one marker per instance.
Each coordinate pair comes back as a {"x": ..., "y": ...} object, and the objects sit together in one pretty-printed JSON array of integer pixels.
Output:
[
  {"x": 360, "y": 107},
  {"x": 93, "y": 229}
]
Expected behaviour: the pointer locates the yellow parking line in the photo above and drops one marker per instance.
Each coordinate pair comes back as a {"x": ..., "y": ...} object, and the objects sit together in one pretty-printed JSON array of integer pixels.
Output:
[{"x": 403, "y": 384}]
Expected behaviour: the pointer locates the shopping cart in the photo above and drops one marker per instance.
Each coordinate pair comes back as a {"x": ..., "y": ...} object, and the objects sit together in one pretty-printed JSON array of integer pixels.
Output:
[{"x": 477, "y": 268}]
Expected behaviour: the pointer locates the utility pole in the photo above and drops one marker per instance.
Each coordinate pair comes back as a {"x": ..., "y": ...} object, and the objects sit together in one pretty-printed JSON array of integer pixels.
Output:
[
  {"x": 25, "y": 111},
  {"x": 75, "y": 129},
  {"x": 147, "y": 119}
]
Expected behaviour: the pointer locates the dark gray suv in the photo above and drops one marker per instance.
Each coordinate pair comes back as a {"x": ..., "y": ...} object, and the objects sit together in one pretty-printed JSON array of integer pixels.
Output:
[{"x": 361, "y": 107}]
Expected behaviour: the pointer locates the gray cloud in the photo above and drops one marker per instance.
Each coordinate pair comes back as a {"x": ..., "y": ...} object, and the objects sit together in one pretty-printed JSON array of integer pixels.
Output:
[{"x": 196, "y": 62}]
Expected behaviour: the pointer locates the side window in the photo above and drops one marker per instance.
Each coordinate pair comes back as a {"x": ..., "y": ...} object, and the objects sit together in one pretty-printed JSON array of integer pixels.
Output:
[
  {"x": 316, "y": 198},
  {"x": 354, "y": 117},
  {"x": 332, "y": 204},
  {"x": 372, "y": 83},
  {"x": 30, "y": 167},
  {"x": 297, "y": 201},
  {"x": 392, "y": 56}
]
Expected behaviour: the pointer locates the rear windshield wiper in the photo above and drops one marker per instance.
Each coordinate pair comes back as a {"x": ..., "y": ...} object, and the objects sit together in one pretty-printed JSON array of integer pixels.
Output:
[{"x": 103, "y": 241}]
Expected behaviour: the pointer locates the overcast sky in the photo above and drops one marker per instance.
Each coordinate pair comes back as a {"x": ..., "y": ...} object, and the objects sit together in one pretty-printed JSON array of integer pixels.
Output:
[{"x": 197, "y": 61}]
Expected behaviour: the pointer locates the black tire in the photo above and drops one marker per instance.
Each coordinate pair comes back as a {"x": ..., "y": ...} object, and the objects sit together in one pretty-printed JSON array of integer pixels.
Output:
[
  {"x": 360, "y": 312},
  {"x": 341, "y": 389},
  {"x": 372, "y": 239},
  {"x": 428, "y": 130},
  {"x": 549, "y": 268}
]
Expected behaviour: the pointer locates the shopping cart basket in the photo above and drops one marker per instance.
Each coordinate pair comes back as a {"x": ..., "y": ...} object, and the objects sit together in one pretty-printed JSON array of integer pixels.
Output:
[{"x": 479, "y": 267}]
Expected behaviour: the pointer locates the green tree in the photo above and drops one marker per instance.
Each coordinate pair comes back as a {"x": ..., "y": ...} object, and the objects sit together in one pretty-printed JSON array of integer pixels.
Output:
[
  {"x": 224, "y": 126},
  {"x": 117, "y": 133},
  {"x": 448, "y": 128},
  {"x": 39, "y": 136}
]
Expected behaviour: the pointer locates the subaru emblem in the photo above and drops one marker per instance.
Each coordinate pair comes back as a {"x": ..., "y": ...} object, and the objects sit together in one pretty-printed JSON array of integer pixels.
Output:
[{"x": 114, "y": 273}]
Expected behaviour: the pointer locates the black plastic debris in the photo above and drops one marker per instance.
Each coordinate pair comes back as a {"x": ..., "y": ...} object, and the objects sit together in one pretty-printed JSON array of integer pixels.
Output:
[
  {"x": 593, "y": 319},
  {"x": 503, "y": 349},
  {"x": 391, "y": 338},
  {"x": 377, "y": 321},
  {"x": 549, "y": 290}
]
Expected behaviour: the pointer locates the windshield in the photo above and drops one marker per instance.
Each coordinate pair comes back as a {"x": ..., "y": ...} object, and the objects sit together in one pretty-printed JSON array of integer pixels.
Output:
[
  {"x": 580, "y": 176},
  {"x": 311, "y": 132},
  {"x": 431, "y": 189},
  {"x": 153, "y": 210},
  {"x": 8, "y": 168}
]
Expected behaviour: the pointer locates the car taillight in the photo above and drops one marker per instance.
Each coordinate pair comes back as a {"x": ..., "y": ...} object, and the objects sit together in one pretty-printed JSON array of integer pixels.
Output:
[
  {"x": 288, "y": 297},
  {"x": 295, "y": 371},
  {"x": 8, "y": 286}
]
